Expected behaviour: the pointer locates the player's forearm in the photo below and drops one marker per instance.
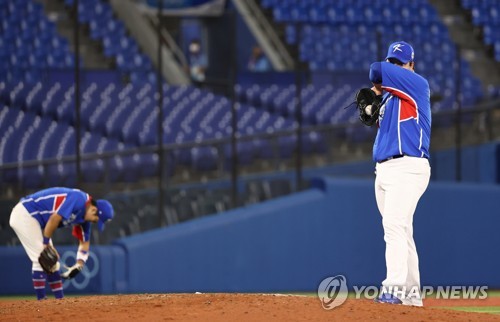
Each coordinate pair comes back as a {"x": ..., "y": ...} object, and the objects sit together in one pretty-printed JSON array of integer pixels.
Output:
[
  {"x": 84, "y": 245},
  {"x": 83, "y": 252},
  {"x": 51, "y": 226},
  {"x": 377, "y": 88}
]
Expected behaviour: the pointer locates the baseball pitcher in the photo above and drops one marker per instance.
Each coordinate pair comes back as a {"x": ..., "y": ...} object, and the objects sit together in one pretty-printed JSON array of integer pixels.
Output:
[
  {"x": 36, "y": 217},
  {"x": 399, "y": 102}
]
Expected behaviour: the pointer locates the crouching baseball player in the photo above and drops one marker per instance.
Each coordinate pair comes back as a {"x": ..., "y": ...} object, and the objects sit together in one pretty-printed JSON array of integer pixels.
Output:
[{"x": 36, "y": 217}]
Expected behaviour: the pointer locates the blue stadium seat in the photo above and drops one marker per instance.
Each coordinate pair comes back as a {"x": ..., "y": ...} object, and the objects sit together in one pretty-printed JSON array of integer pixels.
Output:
[
  {"x": 149, "y": 164},
  {"x": 98, "y": 30},
  {"x": 245, "y": 151},
  {"x": 497, "y": 50},
  {"x": 313, "y": 142},
  {"x": 92, "y": 170},
  {"x": 32, "y": 177},
  {"x": 318, "y": 14},
  {"x": 205, "y": 158},
  {"x": 269, "y": 3},
  {"x": 282, "y": 14},
  {"x": 117, "y": 118}
]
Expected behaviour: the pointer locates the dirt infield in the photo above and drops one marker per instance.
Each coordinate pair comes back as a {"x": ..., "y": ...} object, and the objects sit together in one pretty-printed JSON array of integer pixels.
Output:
[{"x": 220, "y": 307}]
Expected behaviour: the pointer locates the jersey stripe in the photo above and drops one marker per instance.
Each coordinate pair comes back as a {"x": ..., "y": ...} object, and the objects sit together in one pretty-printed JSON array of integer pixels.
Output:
[
  {"x": 399, "y": 128},
  {"x": 41, "y": 212},
  {"x": 409, "y": 105},
  {"x": 420, "y": 143},
  {"x": 58, "y": 201},
  {"x": 78, "y": 233}
]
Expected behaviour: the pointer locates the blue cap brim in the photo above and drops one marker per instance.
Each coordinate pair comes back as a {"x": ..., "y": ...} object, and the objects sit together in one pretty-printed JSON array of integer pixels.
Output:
[
  {"x": 105, "y": 213},
  {"x": 404, "y": 61},
  {"x": 100, "y": 225}
]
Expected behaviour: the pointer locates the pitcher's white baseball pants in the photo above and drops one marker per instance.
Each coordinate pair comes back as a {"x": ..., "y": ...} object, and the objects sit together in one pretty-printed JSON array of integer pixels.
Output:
[{"x": 399, "y": 185}]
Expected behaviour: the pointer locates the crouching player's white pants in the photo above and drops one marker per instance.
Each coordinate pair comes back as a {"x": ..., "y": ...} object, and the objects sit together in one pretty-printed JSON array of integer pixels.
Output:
[
  {"x": 398, "y": 187},
  {"x": 29, "y": 232}
]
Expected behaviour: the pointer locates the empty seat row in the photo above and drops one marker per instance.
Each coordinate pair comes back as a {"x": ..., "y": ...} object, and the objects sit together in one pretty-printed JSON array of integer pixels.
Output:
[
  {"x": 117, "y": 118},
  {"x": 367, "y": 14}
]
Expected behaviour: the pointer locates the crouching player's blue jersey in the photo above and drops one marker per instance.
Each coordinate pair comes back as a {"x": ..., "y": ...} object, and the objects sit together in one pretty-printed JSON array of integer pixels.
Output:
[
  {"x": 69, "y": 203},
  {"x": 405, "y": 116}
]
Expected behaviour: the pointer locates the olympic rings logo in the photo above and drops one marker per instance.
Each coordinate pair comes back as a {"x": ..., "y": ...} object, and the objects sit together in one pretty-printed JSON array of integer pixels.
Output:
[{"x": 90, "y": 270}]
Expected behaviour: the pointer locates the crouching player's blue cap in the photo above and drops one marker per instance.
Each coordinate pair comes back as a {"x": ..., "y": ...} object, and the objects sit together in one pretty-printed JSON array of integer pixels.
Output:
[
  {"x": 105, "y": 212},
  {"x": 402, "y": 51}
]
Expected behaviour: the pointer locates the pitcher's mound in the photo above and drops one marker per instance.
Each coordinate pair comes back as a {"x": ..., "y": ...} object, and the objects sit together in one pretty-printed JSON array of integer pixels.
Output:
[{"x": 220, "y": 307}]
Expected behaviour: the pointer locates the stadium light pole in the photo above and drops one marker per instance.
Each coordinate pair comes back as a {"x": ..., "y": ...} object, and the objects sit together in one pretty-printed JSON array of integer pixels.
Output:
[
  {"x": 161, "y": 189},
  {"x": 77, "y": 94}
]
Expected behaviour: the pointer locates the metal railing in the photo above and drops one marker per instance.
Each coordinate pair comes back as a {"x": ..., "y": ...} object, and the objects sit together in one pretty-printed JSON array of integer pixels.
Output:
[
  {"x": 169, "y": 42},
  {"x": 339, "y": 143}
]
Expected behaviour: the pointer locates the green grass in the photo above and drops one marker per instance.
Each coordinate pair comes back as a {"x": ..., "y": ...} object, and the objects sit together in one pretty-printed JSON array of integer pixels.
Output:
[
  {"x": 17, "y": 297},
  {"x": 477, "y": 309},
  {"x": 493, "y": 293},
  {"x": 33, "y": 297}
]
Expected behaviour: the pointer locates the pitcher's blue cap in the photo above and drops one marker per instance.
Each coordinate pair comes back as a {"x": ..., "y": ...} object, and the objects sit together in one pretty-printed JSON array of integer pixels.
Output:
[
  {"x": 402, "y": 51},
  {"x": 105, "y": 212}
]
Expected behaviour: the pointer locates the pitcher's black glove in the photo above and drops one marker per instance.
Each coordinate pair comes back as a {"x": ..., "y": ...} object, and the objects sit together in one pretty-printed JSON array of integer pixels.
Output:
[{"x": 368, "y": 104}]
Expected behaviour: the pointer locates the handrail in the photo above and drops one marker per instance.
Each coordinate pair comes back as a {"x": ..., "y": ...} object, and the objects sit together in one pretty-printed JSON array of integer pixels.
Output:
[
  {"x": 265, "y": 35},
  {"x": 170, "y": 42}
]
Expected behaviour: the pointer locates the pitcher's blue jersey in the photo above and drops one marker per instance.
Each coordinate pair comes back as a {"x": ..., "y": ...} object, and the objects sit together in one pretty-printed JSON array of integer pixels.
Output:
[
  {"x": 69, "y": 203},
  {"x": 405, "y": 116}
]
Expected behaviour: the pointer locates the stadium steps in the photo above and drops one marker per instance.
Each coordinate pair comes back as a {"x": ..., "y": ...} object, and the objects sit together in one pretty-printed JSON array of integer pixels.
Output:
[
  {"x": 468, "y": 37},
  {"x": 280, "y": 29},
  {"x": 90, "y": 51}
]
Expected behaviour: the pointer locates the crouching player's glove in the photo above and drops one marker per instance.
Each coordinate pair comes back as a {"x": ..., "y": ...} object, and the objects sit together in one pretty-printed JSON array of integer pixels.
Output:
[{"x": 49, "y": 259}]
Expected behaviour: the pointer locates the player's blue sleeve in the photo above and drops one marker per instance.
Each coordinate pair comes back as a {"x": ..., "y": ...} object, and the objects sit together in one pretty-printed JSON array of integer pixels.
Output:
[
  {"x": 405, "y": 84},
  {"x": 376, "y": 73},
  {"x": 86, "y": 230},
  {"x": 82, "y": 231},
  {"x": 396, "y": 79}
]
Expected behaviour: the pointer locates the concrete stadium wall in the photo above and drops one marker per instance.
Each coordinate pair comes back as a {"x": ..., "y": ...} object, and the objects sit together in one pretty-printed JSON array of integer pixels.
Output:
[
  {"x": 292, "y": 243},
  {"x": 480, "y": 163},
  {"x": 280, "y": 245}
]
